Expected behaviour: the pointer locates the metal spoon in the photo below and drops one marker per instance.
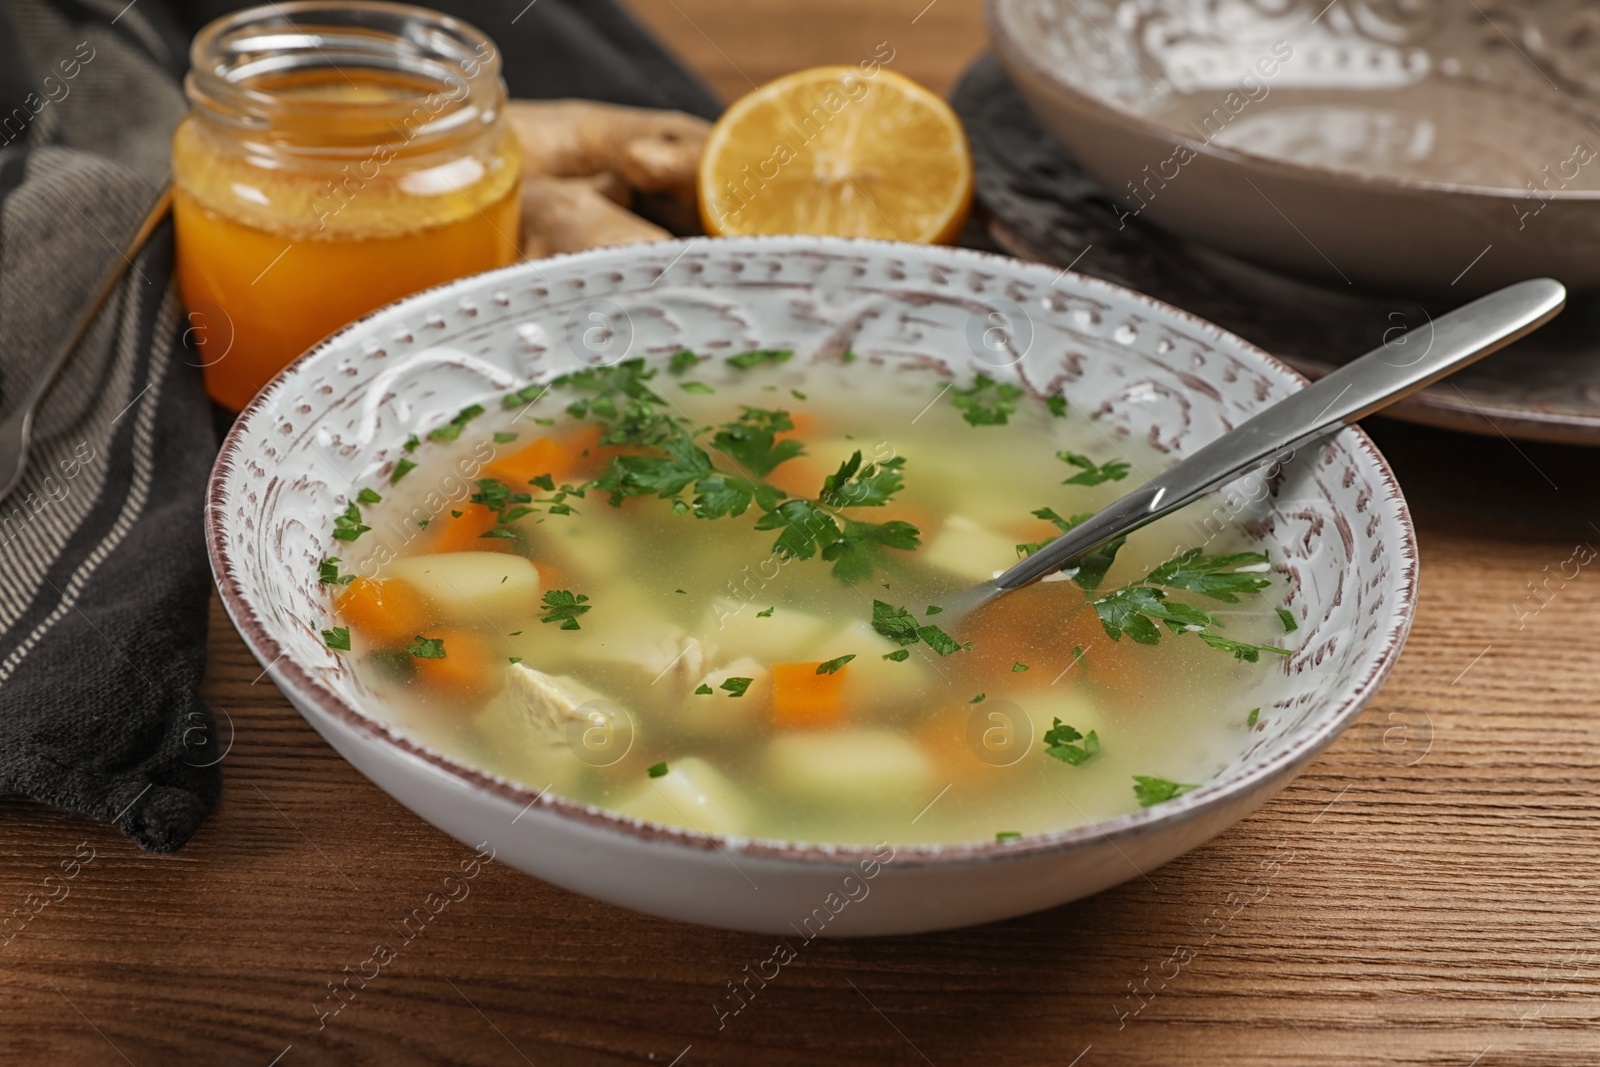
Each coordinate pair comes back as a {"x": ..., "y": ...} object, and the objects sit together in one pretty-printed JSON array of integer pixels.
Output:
[
  {"x": 1352, "y": 392},
  {"x": 17, "y": 429}
]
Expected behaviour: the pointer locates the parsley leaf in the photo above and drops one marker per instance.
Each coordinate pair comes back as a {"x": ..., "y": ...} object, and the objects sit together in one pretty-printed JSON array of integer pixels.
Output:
[
  {"x": 979, "y": 699},
  {"x": 337, "y": 638},
  {"x": 367, "y": 496},
  {"x": 853, "y": 485},
  {"x": 897, "y": 624},
  {"x": 1253, "y": 718},
  {"x": 1090, "y": 472},
  {"x": 699, "y": 388},
  {"x": 1152, "y": 790},
  {"x": 657, "y": 770},
  {"x": 986, "y": 402},
  {"x": 681, "y": 361},
  {"x": 1214, "y": 576},
  {"x": 628, "y": 381},
  {"x": 1241, "y": 650},
  {"x": 1286, "y": 617},
  {"x": 760, "y": 357},
  {"x": 452, "y": 429},
  {"x": 833, "y": 665},
  {"x": 899, "y": 655},
  {"x": 704, "y": 690},
  {"x": 1007, "y": 835},
  {"x": 765, "y": 614},
  {"x": 1057, "y": 405},
  {"x": 736, "y": 686},
  {"x": 328, "y": 573},
  {"x": 426, "y": 647},
  {"x": 401, "y": 469},
  {"x": 564, "y": 608},
  {"x": 852, "y": 554},
  {"x": 751, "y": 441},
  {"x": 412, "y": 443},
  {"x": 504, "y": 437},
  {"x": 525, "y": 397},
  {"x": 1059, "y": 744},
  {"x": 939, "y": 641},
  {"x": 348, "y": 526}
]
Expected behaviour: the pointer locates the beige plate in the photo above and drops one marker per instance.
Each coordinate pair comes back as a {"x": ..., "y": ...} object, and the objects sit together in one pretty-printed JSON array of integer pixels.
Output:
[{"x": 1423, "y": 146}]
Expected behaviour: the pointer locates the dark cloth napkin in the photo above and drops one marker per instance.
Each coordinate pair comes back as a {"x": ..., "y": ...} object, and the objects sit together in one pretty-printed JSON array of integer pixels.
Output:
[{"x": 104, "y": 584}]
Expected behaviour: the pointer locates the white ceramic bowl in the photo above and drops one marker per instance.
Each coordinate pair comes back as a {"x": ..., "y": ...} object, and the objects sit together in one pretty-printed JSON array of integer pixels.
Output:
[
  {"x": 1335, "y": 525},
  {"x": 1432, "y": 148}
]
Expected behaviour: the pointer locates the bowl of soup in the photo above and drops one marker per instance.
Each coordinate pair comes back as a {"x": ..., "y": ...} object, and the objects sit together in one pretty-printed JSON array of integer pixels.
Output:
[{"x": 635, "y": 567}]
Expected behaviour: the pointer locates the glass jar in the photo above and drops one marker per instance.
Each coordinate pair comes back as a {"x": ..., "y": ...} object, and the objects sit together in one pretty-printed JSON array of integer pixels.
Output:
[{"x": 336, "y": 157}]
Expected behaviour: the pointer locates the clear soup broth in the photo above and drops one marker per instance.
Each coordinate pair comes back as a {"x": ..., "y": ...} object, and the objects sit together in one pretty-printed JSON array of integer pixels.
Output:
[{"x": 706, "y": 593}]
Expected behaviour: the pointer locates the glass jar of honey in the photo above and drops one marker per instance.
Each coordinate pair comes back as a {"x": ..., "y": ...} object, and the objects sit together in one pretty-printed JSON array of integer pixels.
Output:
[{"x": 337, "y": 157}]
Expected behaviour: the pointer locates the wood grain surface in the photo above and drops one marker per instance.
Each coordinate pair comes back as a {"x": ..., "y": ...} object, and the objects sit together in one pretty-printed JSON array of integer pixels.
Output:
[{"x": 1427, "y": 893}]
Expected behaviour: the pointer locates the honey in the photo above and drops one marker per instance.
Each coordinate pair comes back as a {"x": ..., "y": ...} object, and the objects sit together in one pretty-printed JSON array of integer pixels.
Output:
[{"x": 335, "y": 160}]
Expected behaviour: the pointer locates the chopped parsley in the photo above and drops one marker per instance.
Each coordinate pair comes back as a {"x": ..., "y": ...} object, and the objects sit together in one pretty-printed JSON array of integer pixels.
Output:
[
  {"x": 1057, "y": 405},
  {"x": 503, "y": 437},
  {"x": 1151, "y": 790},
  {"x": 700, "y": 388},
  {"x": 516, "y": 659},
  {"x": 367, "y": 496},
  {"x": 561, "y": 606},
  {"x": 736, "y": 686},
  {"x": 657, "y": 770},
  {"x": 833, "y": 665},
  {"x": 1253, "y": 718},
  {"x": 1286, "y": 617},
  {"x": 704, "y": 690},
  {"x": 986, "y": 402},
  {"x": 900, "y": 626},
  {"x": 1136, "y": 609},
  {"x": 426, "y": 647},
  {"x": 1090, "y": 472},
  {"x": 812, "y": 527},
  {"x": 523, "y": 397},
  {"x": 979, "y": 699},
  {"x": 760, "y": 357},
  {"x": 348, "y": 525},
  {"x": 401, "y": 469},
  {"x": 681, "y": 361},
  {"x": 933, "y": 609},
  {"x": 1018, "y": 668},
  {"x": 328, "y": 573},
  {"x": 337, "y": 638},
  {"x": 797, "y": 394},
  {"x": 848, "y": 356},
  {"x": 1007, "y": 835},
  {"x": 412, "y": 443},
  {"x": 899, "y": 655},
  {"x": 452, "y": 429},
  {"x": 1059, "y": 743},
  {"x": 766, "y": 614}
]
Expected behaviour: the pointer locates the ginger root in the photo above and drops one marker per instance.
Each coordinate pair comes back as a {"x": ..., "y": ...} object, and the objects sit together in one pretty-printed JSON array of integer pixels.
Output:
[
  {"x": 572, "y": 214},
  {"x": 652, "y": 151}
]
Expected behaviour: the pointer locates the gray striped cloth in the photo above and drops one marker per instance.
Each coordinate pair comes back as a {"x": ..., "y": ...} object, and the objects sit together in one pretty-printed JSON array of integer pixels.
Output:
[{"x": 103, "y": 580}]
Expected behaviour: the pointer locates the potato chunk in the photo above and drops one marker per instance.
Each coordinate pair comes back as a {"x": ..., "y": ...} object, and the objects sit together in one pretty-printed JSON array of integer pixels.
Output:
[
  {"x": 692, "y": 794},
  {"x": 848, "y": 768},
  {"x": 970, "y": 549},
  {"x": 469, "y": 587}
]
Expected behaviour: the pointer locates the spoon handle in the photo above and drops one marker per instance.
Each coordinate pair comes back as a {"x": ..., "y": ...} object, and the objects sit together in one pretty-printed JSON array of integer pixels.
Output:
[{"x": 1354, "y": 391}]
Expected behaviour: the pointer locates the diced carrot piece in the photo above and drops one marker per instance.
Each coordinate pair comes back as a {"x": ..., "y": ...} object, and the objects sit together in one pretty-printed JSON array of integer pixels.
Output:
[
  {"x": 801, "y": 476},
  {"x": 385, "y": 611},
  {"x": 464, "y": 533},
  {"x": 466, "y": 672},
  {"x": 544, "y": 456},
  {"x": 802, "y": 697}
]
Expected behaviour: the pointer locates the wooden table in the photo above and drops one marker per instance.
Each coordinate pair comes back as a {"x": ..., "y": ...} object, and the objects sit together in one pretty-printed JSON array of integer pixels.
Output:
[{"x": 1427, "y": 893}]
